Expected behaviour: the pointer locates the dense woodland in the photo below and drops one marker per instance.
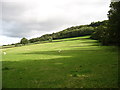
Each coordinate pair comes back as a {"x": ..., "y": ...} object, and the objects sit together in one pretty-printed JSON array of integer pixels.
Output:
[
  {"x": 107, "y": 32},
  {"x": 75, "y": 31}
]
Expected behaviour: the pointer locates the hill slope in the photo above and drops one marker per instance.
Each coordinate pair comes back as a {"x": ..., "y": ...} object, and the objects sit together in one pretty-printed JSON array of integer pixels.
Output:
[{"x": 66, "y": 63}]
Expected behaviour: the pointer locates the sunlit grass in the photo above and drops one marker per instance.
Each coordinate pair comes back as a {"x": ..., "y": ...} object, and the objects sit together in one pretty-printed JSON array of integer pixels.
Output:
[{"x": 81, "y": 63}]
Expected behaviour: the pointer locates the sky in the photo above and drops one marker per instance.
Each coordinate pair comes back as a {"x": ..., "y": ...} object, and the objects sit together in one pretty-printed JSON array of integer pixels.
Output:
[
  {"x": 115, "y": 0},
  {"x": 33, "y": 18}
]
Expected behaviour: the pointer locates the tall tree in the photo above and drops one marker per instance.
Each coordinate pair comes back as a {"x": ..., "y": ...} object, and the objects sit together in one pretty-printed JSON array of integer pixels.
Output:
[
  {"x": 24, "y": 41},
  {"x": 114, "y": 23}
]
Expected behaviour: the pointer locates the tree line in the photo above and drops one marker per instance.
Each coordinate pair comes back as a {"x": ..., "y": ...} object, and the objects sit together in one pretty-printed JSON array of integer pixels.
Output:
[
  {"x": 109, "y": 32},
  {"x": 67, "y": 33},
  {"x": 74, "y": 31}
]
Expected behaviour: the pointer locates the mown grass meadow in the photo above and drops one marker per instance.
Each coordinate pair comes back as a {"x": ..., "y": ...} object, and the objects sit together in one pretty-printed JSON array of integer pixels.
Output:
[{"x": 65, "y": 63}]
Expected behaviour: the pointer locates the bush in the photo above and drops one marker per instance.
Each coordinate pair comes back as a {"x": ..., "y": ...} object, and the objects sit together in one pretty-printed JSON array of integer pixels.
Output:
[
  {"x": 17, "y": 45},
  {"x": 24, "y": 41}
]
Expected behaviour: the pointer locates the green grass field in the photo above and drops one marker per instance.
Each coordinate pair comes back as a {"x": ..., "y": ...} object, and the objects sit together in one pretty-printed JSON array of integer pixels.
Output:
[{"x": 82, "y": 63}]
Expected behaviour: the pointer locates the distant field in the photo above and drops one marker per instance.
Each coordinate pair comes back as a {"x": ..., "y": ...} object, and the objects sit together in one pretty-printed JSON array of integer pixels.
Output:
[{"x": 66, "y": 63}]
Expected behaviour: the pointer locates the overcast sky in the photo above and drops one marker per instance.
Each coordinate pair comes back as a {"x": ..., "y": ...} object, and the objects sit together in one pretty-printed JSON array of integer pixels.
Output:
[{"x": 33, "y": 18}]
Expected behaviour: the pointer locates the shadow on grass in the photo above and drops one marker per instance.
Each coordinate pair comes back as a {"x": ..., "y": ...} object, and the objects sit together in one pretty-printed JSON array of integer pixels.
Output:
[
  {"x": 70, "y": 53},
  {"x": 60, "y": 72},
  {"x": 82, "y": 65},
  {"x": 71, "y": 39}
]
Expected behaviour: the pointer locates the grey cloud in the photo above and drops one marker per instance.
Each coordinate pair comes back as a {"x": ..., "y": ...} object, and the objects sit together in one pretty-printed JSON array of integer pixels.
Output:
[
  {"x": 11, "y": 10},
  {"x": 20, "y": 29},
  {"x": 13, "y": 26}
]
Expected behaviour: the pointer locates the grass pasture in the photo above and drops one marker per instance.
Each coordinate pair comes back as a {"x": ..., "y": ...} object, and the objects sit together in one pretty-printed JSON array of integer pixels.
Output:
[{"x": 66, "y": 63}]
